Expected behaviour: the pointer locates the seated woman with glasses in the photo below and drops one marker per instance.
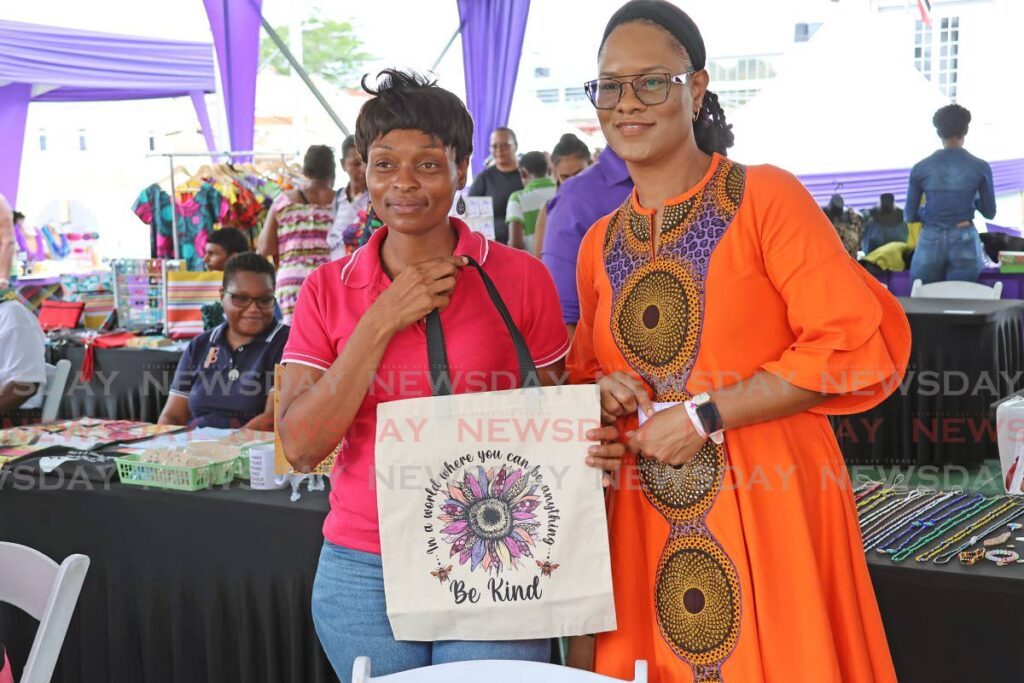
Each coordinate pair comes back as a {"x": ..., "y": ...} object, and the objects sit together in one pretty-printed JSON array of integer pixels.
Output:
[{"x": 226, "y": 374}]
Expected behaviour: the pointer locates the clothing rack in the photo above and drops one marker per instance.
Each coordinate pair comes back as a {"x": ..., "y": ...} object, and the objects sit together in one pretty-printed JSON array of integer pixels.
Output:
[{"x": 230, "y": 154}]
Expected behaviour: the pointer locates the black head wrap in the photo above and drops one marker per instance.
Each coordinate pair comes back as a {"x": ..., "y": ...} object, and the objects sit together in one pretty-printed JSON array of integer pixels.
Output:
[
  {"x": 669, "y": 17},
  {"x": 711, "y": 131}
]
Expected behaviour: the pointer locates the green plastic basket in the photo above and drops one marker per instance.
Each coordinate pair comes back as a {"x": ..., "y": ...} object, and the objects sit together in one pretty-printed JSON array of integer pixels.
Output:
[
  {"x": 243, "y": 469},
  {"x": 175, "y": 477}
]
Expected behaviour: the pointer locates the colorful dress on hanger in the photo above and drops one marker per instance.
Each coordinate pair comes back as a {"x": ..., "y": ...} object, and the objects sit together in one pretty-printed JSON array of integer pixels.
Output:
[
  {"x": 747, "y": 564},
  {"x": 199, "y": 214},
  {"x": 153, "y": 207},
  {"x": 302, "y": 246}
]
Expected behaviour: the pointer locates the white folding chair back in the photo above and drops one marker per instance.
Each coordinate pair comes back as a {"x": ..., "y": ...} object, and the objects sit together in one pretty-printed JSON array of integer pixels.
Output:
[
  {"x": 956, "y": 289},
  {"x": 48, "y": 592},
  {"x": 492, "y": 671},
  {"x": 53, "y": 392}
]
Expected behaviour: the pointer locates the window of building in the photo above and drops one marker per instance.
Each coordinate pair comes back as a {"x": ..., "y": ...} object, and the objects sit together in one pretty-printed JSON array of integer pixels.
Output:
[
  {"x": 548, "y": 95},
  {"x": 542, "y": 72},
  {"x": 575, "y": 95},
  {"x": 804, "y": 32},
  {"x": 937, "y": 53},
  {"x": 81, "y": 140},
  {"x": 42, "y": 140}
]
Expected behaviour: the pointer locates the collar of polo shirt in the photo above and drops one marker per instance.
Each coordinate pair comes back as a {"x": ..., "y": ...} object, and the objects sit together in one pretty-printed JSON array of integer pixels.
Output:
[
  {"x": 364, "y": 265},
  {"x": 266, "y": 336}
]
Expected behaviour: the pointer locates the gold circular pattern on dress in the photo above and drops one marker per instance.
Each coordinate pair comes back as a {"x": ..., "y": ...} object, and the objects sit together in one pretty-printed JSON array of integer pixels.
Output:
[
  {"x": 696, "y": 572},
  {"x": 639, "y": 229},
  {"x": 677, "y": 217},
  {"x": 651, "y": 319},
  {"x": 657, "y": 314},
  {"x": 687, "y": 492}
]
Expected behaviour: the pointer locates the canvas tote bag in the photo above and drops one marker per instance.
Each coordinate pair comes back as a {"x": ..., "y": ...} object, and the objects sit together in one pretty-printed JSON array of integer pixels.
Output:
[{"x": 492, "y": 525}]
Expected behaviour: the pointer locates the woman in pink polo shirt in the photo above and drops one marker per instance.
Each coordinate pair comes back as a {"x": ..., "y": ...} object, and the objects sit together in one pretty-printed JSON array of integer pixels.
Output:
[{"x": 358, "y": 339}]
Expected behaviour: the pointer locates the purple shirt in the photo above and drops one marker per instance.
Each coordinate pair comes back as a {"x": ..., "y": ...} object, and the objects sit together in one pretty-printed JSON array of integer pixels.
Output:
[{"x": 580, "y": 202}]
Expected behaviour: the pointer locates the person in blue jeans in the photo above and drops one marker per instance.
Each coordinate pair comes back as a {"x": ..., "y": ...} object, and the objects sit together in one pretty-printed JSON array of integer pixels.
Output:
[
  {"x": 954, "y": 184},
  {"x": 358, "y": 341}
]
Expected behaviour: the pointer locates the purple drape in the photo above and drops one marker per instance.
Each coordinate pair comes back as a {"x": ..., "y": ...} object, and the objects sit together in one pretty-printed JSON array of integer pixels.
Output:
[
  {"x": 236, "y": 37},
  {"x": 199, "y": 104},
  {"x": 14, "y": 100},
  {"x": 492, "y": 43},
  {"x": 861, "y": 189},
  {"x": 85, "y": 65},
  {"x": 68, "y": 65}
]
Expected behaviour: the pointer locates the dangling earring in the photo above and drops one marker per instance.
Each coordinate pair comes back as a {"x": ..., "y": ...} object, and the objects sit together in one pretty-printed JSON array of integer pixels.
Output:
[
  {"x": 695, "y": 115},
  {"x": 460, "y": 206}
]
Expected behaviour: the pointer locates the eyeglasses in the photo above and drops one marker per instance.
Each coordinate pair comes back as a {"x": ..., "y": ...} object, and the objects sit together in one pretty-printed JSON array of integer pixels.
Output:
[
  {"x": 501, "y": 145},
  {"x": 243, "y": 300},
  {"x": 651, "y": 89}
]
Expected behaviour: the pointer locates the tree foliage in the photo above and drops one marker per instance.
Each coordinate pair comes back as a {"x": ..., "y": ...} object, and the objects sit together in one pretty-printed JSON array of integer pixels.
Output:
[{"x": 330, "y": 49}]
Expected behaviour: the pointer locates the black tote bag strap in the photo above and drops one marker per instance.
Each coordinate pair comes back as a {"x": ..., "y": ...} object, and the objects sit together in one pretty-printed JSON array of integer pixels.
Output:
[{"x": 437, "y": 354}]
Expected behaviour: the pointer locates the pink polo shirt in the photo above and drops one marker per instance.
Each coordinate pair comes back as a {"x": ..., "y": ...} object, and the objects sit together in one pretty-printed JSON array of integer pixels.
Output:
[{"x": 480, "y": 351}]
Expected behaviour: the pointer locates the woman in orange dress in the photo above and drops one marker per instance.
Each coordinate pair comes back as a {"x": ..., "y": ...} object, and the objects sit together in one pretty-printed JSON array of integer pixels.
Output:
[{"x": 720, "y": 303}]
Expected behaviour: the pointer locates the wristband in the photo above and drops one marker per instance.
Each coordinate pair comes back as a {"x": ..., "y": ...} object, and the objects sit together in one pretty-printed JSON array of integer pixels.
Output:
[{"x": 691, "y": 410}]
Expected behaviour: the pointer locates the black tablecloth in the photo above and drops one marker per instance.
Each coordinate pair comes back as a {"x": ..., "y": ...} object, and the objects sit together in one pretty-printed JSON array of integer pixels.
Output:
[
  {"x": 950, "y": 622},
  {"x": 966, "y": 354},
  {"x": 127, "y": 384},
  {"x": 215, "y": 587},
  {"x": 212, "y": 586}
]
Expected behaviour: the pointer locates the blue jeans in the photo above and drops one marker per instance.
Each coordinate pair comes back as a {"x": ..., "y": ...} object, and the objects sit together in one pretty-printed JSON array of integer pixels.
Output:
[
  {"x": 351, "y": 621},
  {"x": 946, "y": 252}
]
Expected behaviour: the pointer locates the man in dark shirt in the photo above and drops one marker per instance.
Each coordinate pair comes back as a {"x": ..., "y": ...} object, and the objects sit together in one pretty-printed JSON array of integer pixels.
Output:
[
  {"x": 500, "y": 180},
  {"x": 954, "y": 184}
]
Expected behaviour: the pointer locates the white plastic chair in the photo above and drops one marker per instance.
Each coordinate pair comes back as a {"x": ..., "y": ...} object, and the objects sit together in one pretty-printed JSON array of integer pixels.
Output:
[
  {"x": 955, "y": 289},
  {"x": 53, "y": 392},
  {"x": 49, "y": 592},
  {"x": 493, "y": 671}
]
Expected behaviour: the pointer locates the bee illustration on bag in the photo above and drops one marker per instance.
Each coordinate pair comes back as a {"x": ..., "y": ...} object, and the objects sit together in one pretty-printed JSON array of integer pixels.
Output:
[
  {"x": 547, "y": 567},
  {"x": 442, "y": 573}
]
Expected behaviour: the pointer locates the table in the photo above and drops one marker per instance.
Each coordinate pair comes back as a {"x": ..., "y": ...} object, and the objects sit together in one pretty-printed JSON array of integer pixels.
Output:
[
  {"x": 212, "y": 586},
  {"x": 899, "y": 283},
  {"x": 965, "y": 355},
  {"x": 950, "y": 622},
  {"x": 127, "y": 384}
]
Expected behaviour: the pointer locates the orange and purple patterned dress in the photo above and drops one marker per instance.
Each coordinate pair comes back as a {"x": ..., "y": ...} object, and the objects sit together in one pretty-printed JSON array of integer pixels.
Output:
[{"x": 747, "y": 564}]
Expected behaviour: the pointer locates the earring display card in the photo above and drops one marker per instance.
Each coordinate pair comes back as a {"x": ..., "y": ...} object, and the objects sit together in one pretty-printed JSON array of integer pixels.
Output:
[
  {"x": 479, "y": 215},
  {"x": 138, "y": 290}
]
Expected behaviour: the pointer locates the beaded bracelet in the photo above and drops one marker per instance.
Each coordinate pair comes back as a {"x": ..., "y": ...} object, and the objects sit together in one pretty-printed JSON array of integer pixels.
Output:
[
  {"x": 1002, "y": 557},
  {"x": 860, "y": 494},
  {"x": 970, "y": 558},
  {"x": 945, "y": 557},
  {"x": 879, "y": 536},
  {"x": 967, "y": 531},
  {"x": 943, "y": 528},
  {"x": 921, "y": 525},
  {"x": 885, "y": 510},
  {"x": 874, "y": 501},
  {"x": 872, "y": 524}
]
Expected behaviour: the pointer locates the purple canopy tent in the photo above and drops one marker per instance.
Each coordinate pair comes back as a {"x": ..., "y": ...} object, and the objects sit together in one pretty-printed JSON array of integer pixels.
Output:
[
  {"x": 235, "y": 25},
  {"x": 492, "y": 43},
  {"x": 52, "y": 64},
  {"x": 861, "y": 189}
]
